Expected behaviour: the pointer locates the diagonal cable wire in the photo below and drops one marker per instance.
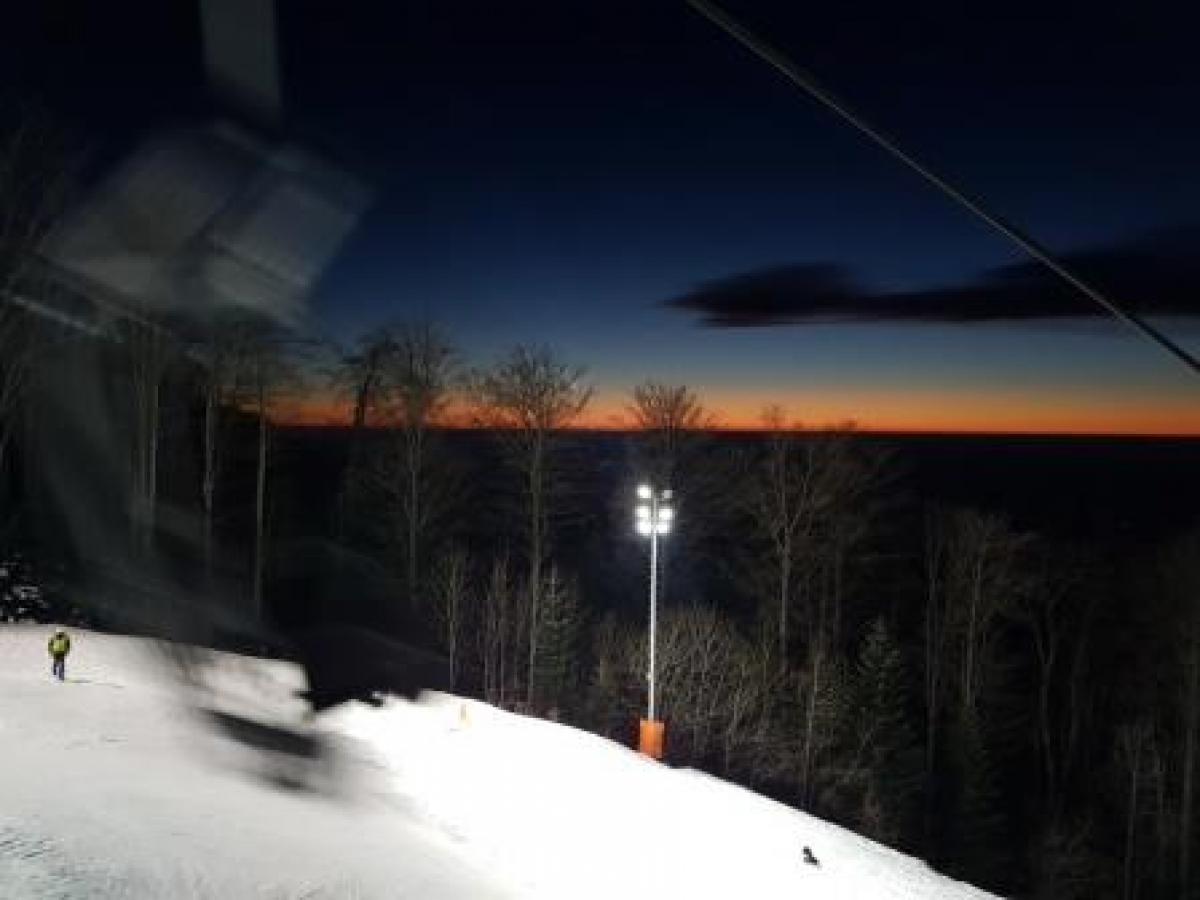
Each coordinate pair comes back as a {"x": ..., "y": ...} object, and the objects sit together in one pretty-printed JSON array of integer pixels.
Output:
[{"x": 782, "y": 63}]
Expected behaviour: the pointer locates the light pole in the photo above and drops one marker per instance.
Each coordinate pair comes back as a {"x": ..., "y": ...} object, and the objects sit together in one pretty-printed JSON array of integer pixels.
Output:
[{"x": 652, "y": 517}]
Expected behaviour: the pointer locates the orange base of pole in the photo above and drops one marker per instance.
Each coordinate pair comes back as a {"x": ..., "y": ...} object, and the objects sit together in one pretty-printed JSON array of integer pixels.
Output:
[{"x": 650, "y": 738}]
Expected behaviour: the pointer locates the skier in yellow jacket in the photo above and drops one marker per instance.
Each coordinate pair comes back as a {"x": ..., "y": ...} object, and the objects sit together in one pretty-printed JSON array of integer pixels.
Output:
[{"x": 60, "y": 646}]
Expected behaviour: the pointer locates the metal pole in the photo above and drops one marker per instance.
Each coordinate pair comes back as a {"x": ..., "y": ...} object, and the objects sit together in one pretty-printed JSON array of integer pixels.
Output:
[{"x": 653, "y": 592}]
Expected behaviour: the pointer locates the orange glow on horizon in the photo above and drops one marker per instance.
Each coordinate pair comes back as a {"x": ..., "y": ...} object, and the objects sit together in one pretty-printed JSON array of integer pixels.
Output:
[{"x": 876, "y": 411}]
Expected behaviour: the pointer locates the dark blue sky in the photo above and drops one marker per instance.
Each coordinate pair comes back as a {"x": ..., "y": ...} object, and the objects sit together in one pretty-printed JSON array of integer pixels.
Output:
[
  {"x": 638, "y": 137},
  {"x": 552, "y": 171}
]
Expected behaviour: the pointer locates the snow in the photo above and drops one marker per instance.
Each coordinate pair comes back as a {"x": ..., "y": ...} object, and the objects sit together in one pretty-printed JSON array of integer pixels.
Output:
[{"x": 112, "y": 787}]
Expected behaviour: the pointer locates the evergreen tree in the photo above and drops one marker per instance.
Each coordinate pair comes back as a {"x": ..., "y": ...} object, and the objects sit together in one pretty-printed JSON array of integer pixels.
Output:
[
  {"x": 615, "y": 689},
  {"x": 829, "y": 770},
  {"x": 893, "y": 764},
  {"x": 555, "y": 670},
  {"x": 977, "y": 838}
]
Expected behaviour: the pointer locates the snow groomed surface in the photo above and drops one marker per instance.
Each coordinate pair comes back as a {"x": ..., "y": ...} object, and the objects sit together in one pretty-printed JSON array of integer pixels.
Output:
[{"x": 115, "y": 785}]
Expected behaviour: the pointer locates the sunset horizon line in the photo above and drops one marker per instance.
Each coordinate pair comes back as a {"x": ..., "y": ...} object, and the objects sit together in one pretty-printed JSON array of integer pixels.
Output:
[
  {"x": 838, "y": 428},
  {"x": 988, "y": 417}
]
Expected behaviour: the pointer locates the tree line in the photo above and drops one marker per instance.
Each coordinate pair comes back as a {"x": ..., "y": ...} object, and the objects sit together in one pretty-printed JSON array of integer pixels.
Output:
[{"x": 1018, "y": 709}]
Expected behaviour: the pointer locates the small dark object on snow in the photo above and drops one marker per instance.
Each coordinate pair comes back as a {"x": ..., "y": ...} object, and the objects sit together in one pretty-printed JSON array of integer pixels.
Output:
[{"x": 810, "y": 859}]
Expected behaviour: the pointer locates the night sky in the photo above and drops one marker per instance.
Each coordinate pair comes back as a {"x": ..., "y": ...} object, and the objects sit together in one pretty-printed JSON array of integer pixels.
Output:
[{"x": 622, "y": 181}]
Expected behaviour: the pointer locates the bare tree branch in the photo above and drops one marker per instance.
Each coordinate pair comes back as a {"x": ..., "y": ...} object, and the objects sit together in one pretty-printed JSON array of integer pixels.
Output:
[{"x": 528, "y": 398}]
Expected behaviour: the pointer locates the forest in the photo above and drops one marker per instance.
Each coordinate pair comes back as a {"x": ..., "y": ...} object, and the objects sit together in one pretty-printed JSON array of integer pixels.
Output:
[{"x": 1018, "y": 705}]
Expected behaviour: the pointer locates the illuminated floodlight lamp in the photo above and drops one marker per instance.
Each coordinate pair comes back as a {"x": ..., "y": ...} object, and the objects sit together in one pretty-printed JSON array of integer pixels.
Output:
[{"x": 653, "y": 516}]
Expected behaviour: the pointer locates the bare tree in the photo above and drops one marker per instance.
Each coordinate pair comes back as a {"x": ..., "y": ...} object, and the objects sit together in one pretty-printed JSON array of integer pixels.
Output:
[
  {"x": 694, "y": 661},
  {"x": 362, "y": 372},
  {"x": 528, "y": 398},
  {"x": 807, "y": 496},
  {"x": 418, "y": 377},
  {"x": 451, "y": 594},
  {"x": 803, "y": 491},
  {"x": 785, "y": 496},
  {"x": 747, "y": 731},
  {"x": 496, "y": 631},
  {"x": 504, "y": 633},
  {"x": 268, "y": 369},
  {"x": 150, "y": 350},
  {"x": 219, "y": 354},
  {"x": 974, "y": 574},
  {"x": 1057, "y": 623},
  {"x": 820, "y": 684},
  {"x": 1134, "y": 749},
  {"x": 937, "y": 633},
  {"x": 1163, "y": 813},
  {"x": 716, "y": 687},
  {"x": 671, "y": 420},
  {"x": 984, "y": 574},
  {"x": 16, "y": 359},
  {"x": 719, "y": 691},
  {"x": 671, "y": 452},
  {"x": 358, "y": 376},
  {"x": 35, "y": 172},
  {"x": 1182, "y": 580},
  {"x": 401, "y": 379},
  {"x": 857, "y": 473},
  {"x": 1187, "y": 763},
  {"x": 261, "y": 376}
]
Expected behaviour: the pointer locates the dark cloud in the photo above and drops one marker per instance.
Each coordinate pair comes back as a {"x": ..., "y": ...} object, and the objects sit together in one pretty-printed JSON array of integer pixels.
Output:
[{"x": 1155, "y": 275}]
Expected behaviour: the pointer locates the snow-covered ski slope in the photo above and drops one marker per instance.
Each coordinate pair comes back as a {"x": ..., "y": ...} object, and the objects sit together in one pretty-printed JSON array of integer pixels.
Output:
[{"x": 111, "y": 786}]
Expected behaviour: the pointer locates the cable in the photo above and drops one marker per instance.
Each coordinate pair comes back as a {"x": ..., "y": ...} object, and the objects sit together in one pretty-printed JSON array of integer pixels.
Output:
[{"x": 779, "y": 60}]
